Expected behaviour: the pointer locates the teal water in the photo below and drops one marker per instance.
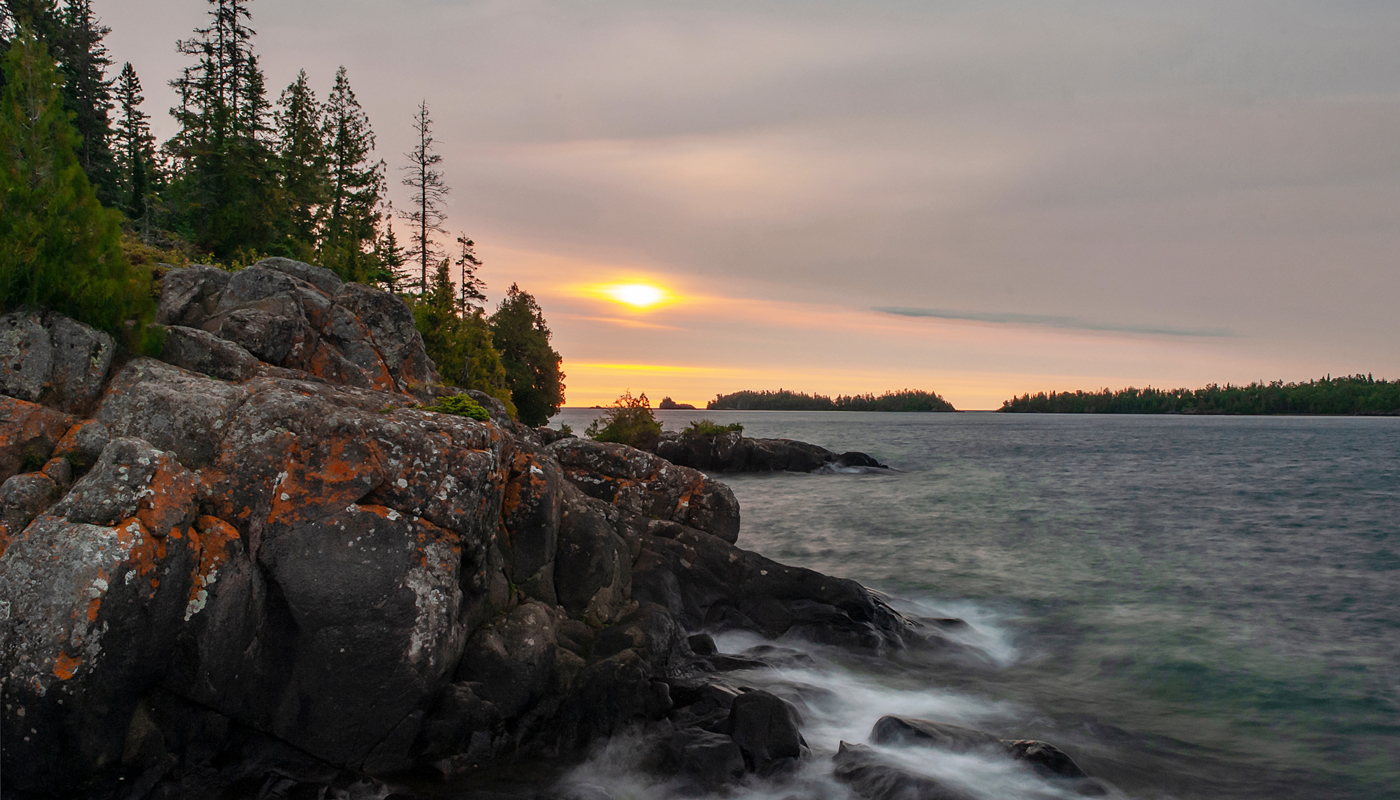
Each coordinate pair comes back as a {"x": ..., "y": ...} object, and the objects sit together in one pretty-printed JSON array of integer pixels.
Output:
[{"x": 1194, "y": 607}]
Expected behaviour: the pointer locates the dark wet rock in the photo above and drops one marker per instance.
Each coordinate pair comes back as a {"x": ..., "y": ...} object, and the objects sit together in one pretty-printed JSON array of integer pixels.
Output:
[
  {"x": 593, "y": 568},
  {"x": 704, "y": 761},
  {"x": 207, "y": 354},
  {"x": 767, "y": 730},
  {"x": 641, "y": 484},
  {"x": 708, "y": 583},
  {"x": 702, "y": 644},
  {"x": 511, "y": 660},
  {"x": 907, "y": 731},
  {"x": 649, "y": 630},
  {"x": 530, "y": 515},
  {"x": 874, "y": 778},
  {"x": 1047, "y": 759},
  {"x": 732, "y": 452}
]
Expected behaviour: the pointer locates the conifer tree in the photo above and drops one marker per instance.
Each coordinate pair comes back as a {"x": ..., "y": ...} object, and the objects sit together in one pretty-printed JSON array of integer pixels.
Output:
[
  {"x": 302, "y": 157},
  {"x": 425, "y": 179},
  {"x": 224, "y": 190},
  {"x": 134, "y": 148},
  {"x": 470, "y": 297},
  {"x": 356, "y": 188},
  {"x": 532, "y": 367},
  {"x": 459, "y": 344},
  {"x": 84, "y": 61},
  {"x": 59, "y": 248}
]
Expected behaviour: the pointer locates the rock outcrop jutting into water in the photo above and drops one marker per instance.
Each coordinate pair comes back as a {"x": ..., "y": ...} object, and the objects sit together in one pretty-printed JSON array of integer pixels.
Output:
[{"x": 257, "y": 564}]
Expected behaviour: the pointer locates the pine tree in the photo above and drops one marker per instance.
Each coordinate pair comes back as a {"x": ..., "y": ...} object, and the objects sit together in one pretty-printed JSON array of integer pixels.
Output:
[
  {"x": 390, "y": 257},
  {"x": 87, "y": 92},
  {"x": 356, "y": 188},
  {"x": 459, "y": 344},
  {"x": 59, "y": 248},
  {"x": 471, "y": 297},
  {"x": 425, "y": 179},
  {"x": 532, "y": 367},
  {"x": 224, "y": 191},
  {"x": 134, "y": 148},
  {"x": 305, "y": 182}
]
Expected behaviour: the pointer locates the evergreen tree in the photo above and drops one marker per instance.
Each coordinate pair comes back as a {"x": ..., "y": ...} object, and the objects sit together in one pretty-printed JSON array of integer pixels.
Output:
[
  {"x": 134, "y": 148},
  {"x": 471, "y": 296},
  {"x": 59, "y": 248},
  {"x": 356, "y": 189},
  {"x": 302, "y": 157},
  {"x": 460, "y": 345},
  {"x": 532, "y": 367},
  {"x": 224, "y": 190},
  {"x": 425, "y": 179},
  {"x": 389, "y": 256},
  {"x": 87, "y": 92}
]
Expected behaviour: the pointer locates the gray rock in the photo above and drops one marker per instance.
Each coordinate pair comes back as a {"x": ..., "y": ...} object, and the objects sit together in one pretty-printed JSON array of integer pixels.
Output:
[
  {"x": 82, "y": 357},
  {"x": 171, "y": 408},
  {"x": 24, "y": 497},
  {"x": 390, "y": 323},
  {"x": 203, "y": 352},
  {"x": 83, "y": 443},
  {"x": 1047, "y": 759},
  {"x": 320, "y": 277},
  {"x": 26, "y": 356},
  {"x": 494, "y": 407},
  {"x": 511, "y": 660},
  {"x": 190, "y": 295},
  {"x": 273, "y": 328},
  {"x": 593, "y": 569},
  {"x": 874, "y": 778},
  {"x": 705, "y": 762},
  {"x": 91, "y": 615}
]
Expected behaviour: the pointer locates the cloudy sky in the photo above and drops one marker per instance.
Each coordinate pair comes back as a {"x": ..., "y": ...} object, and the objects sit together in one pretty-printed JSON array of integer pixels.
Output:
[{"x": 976, "y": 198}]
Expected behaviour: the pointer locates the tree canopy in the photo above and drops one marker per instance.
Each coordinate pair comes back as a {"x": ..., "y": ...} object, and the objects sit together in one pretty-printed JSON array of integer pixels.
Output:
[{"x": 532, "y": 366}]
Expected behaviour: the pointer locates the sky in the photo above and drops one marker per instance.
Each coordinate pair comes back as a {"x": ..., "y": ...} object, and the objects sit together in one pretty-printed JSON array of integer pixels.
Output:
[{"x": 979, "y": 199}]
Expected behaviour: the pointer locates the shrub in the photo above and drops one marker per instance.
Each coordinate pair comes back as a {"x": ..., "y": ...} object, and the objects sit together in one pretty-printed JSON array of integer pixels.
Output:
[
  {"x": 460, "y": 405},
  {"x": 708, "y": 427},
  {"x": 630, "y": 421}
]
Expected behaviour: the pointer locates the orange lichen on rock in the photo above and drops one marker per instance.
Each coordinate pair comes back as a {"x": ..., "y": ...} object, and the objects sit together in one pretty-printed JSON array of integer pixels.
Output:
[
  {"x": 168, "y": 500},
  {"x": 324, "y": 477},
  {"x": 28, "y": 431},
  {"x": 65, "y": 666}
]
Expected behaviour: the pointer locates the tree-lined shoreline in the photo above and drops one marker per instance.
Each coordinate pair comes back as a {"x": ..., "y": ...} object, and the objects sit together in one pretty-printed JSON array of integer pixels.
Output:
[{"x": 1345, "y": 396}]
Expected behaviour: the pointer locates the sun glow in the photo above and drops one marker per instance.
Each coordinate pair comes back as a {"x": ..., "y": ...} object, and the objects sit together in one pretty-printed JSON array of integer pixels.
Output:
[{"x": 636, "y": 295}]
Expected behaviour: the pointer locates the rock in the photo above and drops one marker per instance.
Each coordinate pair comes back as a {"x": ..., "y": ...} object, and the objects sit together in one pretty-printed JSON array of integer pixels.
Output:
[
  {"x": 530, "y": 513},
  {"x": 766, "y": 729},
  {"x": 320, "y": 277},
  {"x": 189, "y": 295},
  {"x": 702, "y": 644},
  {"x": 28, "y": 435},
  {"x": 649, "y": 630},
  {"x": 95, "y": 591},
  {"x": 642, "y": 484},
  {"x": 199, "y": 351},
  {"x": 706, "y": 582},
  {"x": 1047, "y": 759},
  {"x": 390, "y": 325},
  {"x": 26, "y": 356},
  {"x": 874, "y": 778},
  {"x": 171, "y": 408},
  {"x": 593, "y": 568},
  {"x": 511, "y": 661},
  {"x": 732, "y": 452},
  {"x": 22, "y": 498},
  {"x": 83, "y": 443},
  {"x": 705, "y": 762},
  {"x": 494, "y": 407},
  {"x": 953, "y": 738},
  {"x": 548, "y": 436}
]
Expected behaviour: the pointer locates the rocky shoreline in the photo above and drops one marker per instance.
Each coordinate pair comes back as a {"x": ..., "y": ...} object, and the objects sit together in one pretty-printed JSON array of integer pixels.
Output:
[{"x": 258, "y": 568}]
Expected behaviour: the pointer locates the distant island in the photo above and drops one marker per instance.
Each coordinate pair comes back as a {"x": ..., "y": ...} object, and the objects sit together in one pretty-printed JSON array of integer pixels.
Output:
[
  {"x": 784, "y": 400},
  {"x": 1351, "y": 395},
  {"x": 667, "y": 404}
]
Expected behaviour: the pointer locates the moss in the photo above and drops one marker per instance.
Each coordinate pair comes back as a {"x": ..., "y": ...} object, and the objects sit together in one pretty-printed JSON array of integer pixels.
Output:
[{"x": 460, "y": 405}]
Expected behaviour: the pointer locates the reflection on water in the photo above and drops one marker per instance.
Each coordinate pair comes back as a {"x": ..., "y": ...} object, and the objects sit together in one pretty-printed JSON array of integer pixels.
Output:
[{"x": 1192, "y": 607}]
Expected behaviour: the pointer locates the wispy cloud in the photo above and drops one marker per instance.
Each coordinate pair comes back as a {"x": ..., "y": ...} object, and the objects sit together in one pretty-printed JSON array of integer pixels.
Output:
[{"x": 1046, "y": 321}]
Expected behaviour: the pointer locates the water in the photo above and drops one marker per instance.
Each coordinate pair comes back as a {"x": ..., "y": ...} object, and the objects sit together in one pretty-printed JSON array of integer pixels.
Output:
[{"x": 1193, "y": 607}]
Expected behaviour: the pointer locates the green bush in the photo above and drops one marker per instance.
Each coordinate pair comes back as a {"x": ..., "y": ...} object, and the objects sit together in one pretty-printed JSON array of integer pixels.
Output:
[
  {"x": 708, "y": 427},
  {"x": 462, "y": 406},
  {"x": 630, "y": 421}
]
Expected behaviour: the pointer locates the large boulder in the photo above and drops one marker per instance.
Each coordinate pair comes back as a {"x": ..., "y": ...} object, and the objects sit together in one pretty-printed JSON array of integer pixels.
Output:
[
  {"x": 767, "y": 730},
  {"x": 874, "y": 777},
  {"x": 891, "y": 730},
  {"x": 593, "y": 565},
  {"x": 29, "y": 433},
  {"x": 54, "y": 360},
  {"x": 94, "y": 593},
  {"x": 643, "y": 484},
  {"x": 732, "y": 452},
  {"x": 297, "y": 316},
  {"x": 175, "y": 410},
  {"x": 531, "y": 511}
]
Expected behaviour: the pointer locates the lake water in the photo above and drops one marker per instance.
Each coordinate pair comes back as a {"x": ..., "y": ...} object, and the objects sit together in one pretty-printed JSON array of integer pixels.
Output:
[{"x": 1192, "y": 607}]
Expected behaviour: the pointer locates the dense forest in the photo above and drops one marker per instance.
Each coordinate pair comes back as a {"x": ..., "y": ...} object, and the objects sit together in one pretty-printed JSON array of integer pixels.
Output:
[
  {"x": 93, "y": 209},
  {"x": 1355, "y": 394},
  {"x": 784, "y": 400}
]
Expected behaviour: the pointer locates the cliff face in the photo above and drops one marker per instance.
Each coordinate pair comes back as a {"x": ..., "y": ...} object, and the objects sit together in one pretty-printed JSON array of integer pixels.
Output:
[{"x": 259, "y": 558}]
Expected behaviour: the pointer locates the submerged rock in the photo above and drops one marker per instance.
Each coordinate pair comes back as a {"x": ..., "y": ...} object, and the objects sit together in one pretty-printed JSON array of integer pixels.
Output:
[{"x": 733, "y": 452}]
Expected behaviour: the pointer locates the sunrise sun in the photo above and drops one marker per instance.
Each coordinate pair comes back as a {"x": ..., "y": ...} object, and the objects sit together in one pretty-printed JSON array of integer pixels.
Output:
[{"x": 635, "y": 295}]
